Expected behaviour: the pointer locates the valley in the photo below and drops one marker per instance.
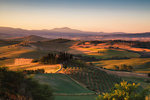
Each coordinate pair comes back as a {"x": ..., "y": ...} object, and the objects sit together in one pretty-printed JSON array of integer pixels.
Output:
[{"x": 91, "y": 72}]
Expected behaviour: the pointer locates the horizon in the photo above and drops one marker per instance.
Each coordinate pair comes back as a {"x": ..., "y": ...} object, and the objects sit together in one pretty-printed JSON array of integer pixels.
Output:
[
  {"x": 72, "y": 29},
  {"x": 129, "y": 16}
]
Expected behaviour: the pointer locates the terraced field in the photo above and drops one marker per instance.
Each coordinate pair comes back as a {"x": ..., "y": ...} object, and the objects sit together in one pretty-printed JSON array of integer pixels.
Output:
[{"x": 93, "y": 78}]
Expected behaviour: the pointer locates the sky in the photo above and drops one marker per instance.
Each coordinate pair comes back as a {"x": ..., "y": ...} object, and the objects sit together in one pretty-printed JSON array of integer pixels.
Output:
[{"x": 89, "y": 15}]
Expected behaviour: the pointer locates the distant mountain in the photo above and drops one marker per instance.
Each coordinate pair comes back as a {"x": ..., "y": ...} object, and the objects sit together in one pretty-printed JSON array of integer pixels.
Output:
[
  {"x": 32, "y": 38},
  {"x": 135, "y": 35},
  {"x": 68, "y": 33},
  {"x": 66, "y": 30},
  {"x": 13, "y": 31}
]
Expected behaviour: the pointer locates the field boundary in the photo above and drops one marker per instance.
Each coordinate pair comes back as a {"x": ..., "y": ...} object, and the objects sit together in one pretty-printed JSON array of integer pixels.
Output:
[
  {"x": 74, "y": 94},
  {"x": 77, "y": 82}
]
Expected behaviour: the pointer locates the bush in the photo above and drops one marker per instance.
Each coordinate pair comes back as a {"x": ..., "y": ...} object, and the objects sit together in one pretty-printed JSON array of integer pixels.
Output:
[
  {"x": 124, "y": 91},
  {"x": 123, "y": 67},
  {"x": 148, "y": 74},
  {"x": 115, "y": 67},
  {"x": 35, "y": 60}
]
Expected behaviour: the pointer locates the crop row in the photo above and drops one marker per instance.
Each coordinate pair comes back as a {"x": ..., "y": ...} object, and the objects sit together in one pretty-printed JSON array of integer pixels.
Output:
[{"x": 94, "y": 79}]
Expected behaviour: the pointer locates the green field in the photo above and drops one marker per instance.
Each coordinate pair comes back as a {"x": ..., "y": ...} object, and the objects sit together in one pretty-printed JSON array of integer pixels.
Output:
[
  {"x": 65, "y": 88},
  {"x": 89, "y": 97},
  {"x": 139, "y": 64},
  {"x": 112, "y": 54},
  {"x": 62, "y": 83},
  {"x": 35, "y": 54}
]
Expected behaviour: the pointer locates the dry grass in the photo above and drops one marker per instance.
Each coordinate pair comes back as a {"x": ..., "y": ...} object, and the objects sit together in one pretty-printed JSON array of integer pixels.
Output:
[
  {"x": 26, "y": 64},
  {"x": 47, "y": 68},
  {"x": 12, "y": 52},
  {"x": 142, "y": 72},
  {"x": 35, "y": 66},
  {"x": 101, "y": 53},
  {"x": 107, "y": 45},
  {"x": 135, "y": 62},
  {"x": 22, "y": 61},
  {"x": 140, "y": 65}
]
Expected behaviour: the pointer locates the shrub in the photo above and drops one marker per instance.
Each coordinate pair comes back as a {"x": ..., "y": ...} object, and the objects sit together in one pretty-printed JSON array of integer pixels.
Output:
[
  {"x": 115, "y": 67},
  {"x": 124, "y": 91},
  {"x": 123, "y": 67},
  {"x": 148, "y": 74}
]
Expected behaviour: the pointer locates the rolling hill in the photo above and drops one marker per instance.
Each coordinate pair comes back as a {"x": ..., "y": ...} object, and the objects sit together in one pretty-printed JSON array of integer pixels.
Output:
[
  {"x": 68, "y": 33},
  {"x": 32, "y": 38}
]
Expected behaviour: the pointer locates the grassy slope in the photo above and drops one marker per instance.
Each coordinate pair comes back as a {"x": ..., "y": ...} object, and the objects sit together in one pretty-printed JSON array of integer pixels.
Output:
[
  {"x": 61, "y": 83},
  {"x": 55, "y": 45},
  {"x": 35, "y": 54},
  {"x": 35, "y": 66},
  {"x": 89, "y": 97},
  {"x": 137, "y": 63},
  {"x": 6, "y": 43},
  {"x": 117, "y": 53},
  {"x": 109, "y": 53},
  {"x": 11, "y": 52}
]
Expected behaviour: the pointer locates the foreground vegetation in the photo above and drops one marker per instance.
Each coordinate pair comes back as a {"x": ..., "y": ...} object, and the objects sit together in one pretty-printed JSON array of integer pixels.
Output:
[
  {"x": 62, "y": 84},
  {"x": 77, "y": 97},
  {"x": 125, "y": 91},
  {"x": 18, "y": 86}
]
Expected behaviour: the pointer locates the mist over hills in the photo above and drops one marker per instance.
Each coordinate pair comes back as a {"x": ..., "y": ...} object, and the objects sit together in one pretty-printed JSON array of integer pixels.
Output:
[
  {"x": 31, "y": 38},
  {"x": 68, "y": 33}
]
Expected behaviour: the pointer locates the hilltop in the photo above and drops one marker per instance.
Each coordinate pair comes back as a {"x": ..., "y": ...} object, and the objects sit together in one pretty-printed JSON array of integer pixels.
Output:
[{"x": 31, "y": 38}]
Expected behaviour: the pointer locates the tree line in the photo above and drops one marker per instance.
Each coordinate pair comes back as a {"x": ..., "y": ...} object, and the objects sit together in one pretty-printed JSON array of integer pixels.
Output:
[
  {"x": 123, "y": 67},
  {"x": 56, "y": 58}
]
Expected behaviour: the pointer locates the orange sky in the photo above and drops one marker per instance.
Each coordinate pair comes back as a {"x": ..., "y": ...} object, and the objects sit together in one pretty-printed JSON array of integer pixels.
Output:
[{"x": 92, "y": 16}]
